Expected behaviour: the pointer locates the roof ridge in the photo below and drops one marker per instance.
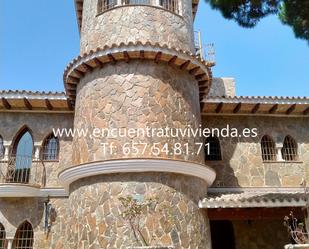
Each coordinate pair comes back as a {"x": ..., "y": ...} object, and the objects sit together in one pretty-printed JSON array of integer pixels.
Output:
[
  {"x": 20, "y": 91},
  {"x": 258, "y": 97}
]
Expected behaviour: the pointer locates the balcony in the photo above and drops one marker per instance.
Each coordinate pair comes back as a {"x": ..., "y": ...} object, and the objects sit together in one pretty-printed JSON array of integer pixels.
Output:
[
  {"x": 21, "y": 176},
  {"x": 205, "y": 51}
]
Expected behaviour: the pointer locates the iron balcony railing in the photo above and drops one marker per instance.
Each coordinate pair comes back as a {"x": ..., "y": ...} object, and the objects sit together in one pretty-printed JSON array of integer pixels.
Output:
[
  {"x": 22, "y": 169},
  {"x": 205, "y": 51}
]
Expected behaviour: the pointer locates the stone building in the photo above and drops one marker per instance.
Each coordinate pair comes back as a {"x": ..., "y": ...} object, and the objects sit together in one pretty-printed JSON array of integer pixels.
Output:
[{"x": 139, "y": 68}]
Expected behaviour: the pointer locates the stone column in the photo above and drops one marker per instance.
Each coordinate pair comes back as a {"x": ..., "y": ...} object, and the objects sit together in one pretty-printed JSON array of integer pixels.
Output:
[
  {"x": 37, "y": 150},
  {"x": 279, "y": 152},
  {"x": 6, "y": 145},
  {"x": 9, "y": 243}
]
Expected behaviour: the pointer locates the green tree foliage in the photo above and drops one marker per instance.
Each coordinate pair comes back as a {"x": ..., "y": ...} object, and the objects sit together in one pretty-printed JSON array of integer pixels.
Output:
[{"x": 248, "y": 13}]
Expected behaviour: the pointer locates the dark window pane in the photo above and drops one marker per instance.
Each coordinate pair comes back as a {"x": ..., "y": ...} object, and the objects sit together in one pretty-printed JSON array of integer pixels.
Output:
[
  {"x": 2, "y": 236},
  {"x": 24, "y": 237},
  {"x": 50, "y": 150},
  {"x": 212, "y": 149},
  {"x": 289, "y": 149},
  {"x": 268, "y": 148}
]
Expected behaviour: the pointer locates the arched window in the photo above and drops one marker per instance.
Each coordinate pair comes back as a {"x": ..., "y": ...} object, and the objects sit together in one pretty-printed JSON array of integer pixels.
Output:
[
  {"x": 289, "y": 149},
  {"x": 24, "y": 237},
  {"x": 2, "y": 150},
  {"x": 268, "y": 148},
  {"x": 21, "y": 159},
  {"x": 2, "y": 236},
  {"x": 212, "y": 149},
  {"x": 50, "y": 148}
]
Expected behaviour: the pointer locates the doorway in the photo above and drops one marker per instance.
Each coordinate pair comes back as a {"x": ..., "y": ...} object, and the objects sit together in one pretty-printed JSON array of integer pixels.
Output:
[{"x": 222, "y": 234}]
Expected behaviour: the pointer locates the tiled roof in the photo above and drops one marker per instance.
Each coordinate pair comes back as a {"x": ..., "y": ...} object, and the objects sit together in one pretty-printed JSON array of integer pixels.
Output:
[
  {"x": 255, "y": 105},
  {"x": 22, "y": 100},
  {"x": 254, "y": 199},
  {"x": 11, "y": 94},
  {"x": 261, "y": 99},
  {"x": 185, "y": 60}
]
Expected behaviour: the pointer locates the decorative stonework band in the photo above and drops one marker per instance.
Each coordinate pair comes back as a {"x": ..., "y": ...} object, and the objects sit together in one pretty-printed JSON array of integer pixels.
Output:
[
  {"x": 75, "y": 173},
  {"x": 185, "y": 60}
]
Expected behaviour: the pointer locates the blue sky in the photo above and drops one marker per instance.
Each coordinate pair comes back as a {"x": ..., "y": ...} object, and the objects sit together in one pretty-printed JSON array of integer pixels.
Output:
[{"x": 39, "y": 37}]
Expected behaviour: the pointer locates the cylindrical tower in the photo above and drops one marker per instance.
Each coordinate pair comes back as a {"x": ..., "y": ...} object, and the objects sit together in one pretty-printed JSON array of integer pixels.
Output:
[{"x": 137, "y": 75}]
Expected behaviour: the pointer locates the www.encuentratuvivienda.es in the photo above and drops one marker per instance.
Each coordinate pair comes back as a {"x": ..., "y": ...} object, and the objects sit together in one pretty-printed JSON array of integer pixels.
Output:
[{"x": 163, "y": 132}]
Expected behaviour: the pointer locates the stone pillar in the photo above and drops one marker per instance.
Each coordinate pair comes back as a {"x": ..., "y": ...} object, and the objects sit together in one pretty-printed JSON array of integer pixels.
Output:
[
  {"x": 279, "y": 152},
  {"x": 9, "y": 243},
  {"x": 37, "y": 150},
  {"x": 6, "y": 145}
]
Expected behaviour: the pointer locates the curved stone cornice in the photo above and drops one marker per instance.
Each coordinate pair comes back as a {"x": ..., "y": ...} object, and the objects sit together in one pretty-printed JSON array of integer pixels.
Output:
[
  {"x": 75, "y": 173},
  {"x": 184, "y": 60}
]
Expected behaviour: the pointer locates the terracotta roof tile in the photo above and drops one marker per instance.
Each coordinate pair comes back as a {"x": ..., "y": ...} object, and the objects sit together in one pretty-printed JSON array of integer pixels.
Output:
[
  {"x": 262, "y": 99},
  {"x": 11, "y": 94},
  {"x": 254, "y": 199}
]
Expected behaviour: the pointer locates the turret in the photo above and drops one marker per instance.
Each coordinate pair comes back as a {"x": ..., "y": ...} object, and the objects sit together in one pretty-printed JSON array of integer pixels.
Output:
[{"x": 137, "y": 70}]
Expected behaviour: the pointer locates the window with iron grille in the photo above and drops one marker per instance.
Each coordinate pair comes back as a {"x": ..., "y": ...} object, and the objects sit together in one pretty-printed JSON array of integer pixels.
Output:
[
  {"x": 212, "y": 149},
  {"x": 289, "y": 149},
  {"x": 105, "y": 5},
  {"x": 50, "y": 148},
  {"x": 24, "y": 237},
  {"x": 20, "y": 160},
  {"x": 1, "y": 149},
  {"x": 137, "y": 2},
  {"x": 2, "y": 236},
  {"x": 268, "y": 148},
  {"x": 171, "y": 5}
]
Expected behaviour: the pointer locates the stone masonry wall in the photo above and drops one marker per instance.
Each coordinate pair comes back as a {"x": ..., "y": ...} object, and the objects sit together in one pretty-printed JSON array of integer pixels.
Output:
[
  {"x": 40, "y": 125},
  {"x": 136, "y": 23},
  {"x": 173, "y": 219},
  {"x": 242, "y": 163},
  {"x": 136, "y": 95}
]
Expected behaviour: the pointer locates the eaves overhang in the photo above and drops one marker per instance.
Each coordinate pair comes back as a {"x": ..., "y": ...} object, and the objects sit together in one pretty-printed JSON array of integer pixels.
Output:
[
  {"x": 34, "y": 101},
  {"x": 255, "y": 105}
]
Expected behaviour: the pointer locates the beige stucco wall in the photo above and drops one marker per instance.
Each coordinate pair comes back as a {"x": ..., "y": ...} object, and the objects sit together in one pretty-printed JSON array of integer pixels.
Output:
[
  {"x": 40, "y": 125},
  {"x": 242, "y": 163},
  {"x": 136, "y": 23},
  {"x": 222, "y": 87},
  {"x": 140, "y": 94},
  {"x": 14, "y": 211}
]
